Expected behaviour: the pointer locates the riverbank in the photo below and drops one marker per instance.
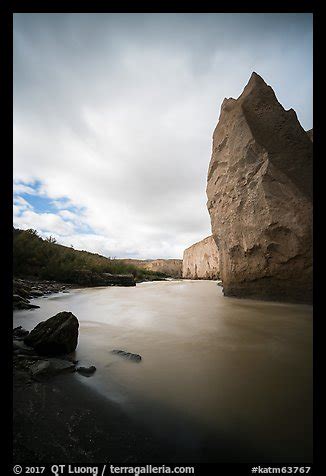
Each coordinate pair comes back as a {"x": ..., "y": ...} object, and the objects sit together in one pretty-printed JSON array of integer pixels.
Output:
[
  {"x": 58, "y": 419},
  {"x": 25, "y": 289},
  {"x": 62, "y": 420}
]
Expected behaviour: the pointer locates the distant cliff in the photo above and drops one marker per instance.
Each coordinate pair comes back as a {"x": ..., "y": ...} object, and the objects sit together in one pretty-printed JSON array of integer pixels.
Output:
[
  {"x": 169, "y": 267},
  {"x": 200, "y": 261},
  {"x": 38, "y": 258},
  {"x": 259, "y": 193},
  {"x": 44, "y": 259}
]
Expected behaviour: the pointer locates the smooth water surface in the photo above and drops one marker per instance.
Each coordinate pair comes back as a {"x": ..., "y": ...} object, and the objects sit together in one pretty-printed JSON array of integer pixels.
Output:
[{"x": 213, "y": 368}]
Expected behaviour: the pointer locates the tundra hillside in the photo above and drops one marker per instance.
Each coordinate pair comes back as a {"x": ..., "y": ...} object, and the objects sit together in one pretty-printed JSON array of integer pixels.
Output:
[{"x": 44, "y": 259}]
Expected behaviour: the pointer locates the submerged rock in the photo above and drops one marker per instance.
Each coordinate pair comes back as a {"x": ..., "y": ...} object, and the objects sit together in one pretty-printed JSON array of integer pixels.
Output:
[
  {"x": 86, "y": 370},
  {"x": 55, "y": 336},
  {"x": 260, "y": 197},
  {"x": 127, "y": 355}
]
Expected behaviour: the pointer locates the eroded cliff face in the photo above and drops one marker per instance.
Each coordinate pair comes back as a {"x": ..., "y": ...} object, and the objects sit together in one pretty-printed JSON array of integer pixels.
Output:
[
  {"x": 260, "y": 197},
  {"x": 171, "y": 267},
  {"x": 200, "y": 261}
]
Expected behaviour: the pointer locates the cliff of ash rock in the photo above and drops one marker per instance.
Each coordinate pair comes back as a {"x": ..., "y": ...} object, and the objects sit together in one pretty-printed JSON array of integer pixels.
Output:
[
  {"x": 259, "y": 193},
  {"x": 171, "y": 267},
  {"x": 200, "y": 261}
]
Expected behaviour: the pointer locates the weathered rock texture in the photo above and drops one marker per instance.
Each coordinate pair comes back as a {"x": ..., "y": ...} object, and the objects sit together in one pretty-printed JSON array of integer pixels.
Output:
[
  {"x": 170, "y": 267},
  {"x": 200, "y": 261},
  {"x": 260, "y": 197},
  {"x": 55, "y": 336}
]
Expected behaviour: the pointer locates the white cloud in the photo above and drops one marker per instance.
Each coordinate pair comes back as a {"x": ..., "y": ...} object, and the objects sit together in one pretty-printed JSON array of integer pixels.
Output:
[
  {"x": 115, "y": 114},
  {"x": 43, "y": 222},
  {"x": 23, "y": 188},
  {"x": 21, "y": 204}
]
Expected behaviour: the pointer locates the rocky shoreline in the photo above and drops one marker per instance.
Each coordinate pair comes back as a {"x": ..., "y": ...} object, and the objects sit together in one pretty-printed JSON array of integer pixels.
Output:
[
  {"x": 57, "y": 418},
  {"x": 26, "y": 289},
  {"x": 61, "y": 420},
  {"x": 48, "y": 349},
  {"x": 84, "y": 426}
]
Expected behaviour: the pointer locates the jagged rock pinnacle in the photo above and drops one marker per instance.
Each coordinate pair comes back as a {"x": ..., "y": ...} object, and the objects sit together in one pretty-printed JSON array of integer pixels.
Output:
[{"x": 260, "y": 197}]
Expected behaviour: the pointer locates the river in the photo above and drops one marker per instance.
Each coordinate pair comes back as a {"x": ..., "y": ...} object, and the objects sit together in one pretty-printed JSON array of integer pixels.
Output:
[{"x": 213, "y": 369}]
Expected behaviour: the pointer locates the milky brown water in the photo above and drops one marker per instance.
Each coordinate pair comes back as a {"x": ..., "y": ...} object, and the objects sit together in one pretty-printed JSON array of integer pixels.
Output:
[{"x": 216, "y": 373}]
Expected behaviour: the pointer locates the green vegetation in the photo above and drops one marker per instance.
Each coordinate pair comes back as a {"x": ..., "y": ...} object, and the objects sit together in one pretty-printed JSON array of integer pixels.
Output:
[{"x": 35, "y": 257}]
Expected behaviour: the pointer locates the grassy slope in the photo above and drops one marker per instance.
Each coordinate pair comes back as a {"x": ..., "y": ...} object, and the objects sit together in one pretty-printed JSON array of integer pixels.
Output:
[{"x": 45, "y": 259}]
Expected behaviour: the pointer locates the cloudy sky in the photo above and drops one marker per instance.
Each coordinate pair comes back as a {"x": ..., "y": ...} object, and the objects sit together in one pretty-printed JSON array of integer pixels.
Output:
[{"x": 114, "y": 115}]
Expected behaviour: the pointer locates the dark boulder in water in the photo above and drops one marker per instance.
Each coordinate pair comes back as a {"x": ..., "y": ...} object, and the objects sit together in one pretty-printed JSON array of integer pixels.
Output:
[
  {"x": 56, "y": 336},
  {"x": 127, "y": 355},
  {"x": 86, "y": 370}
]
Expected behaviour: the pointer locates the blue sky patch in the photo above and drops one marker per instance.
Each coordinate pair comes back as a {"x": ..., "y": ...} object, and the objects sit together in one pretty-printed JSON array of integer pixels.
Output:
[{"x": 41, "y": 203}]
